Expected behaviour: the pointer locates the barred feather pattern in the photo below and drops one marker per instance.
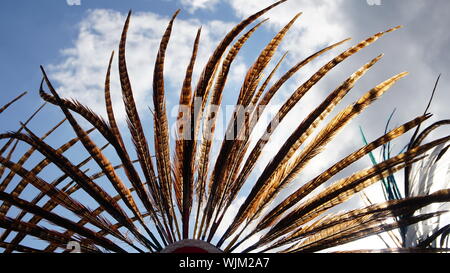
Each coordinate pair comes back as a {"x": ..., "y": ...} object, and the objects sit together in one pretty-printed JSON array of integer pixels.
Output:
[
  {"x": 183, "y": 125},
  {"x": 256, "y": 152},
  {"x": 144, "y": 208},
  {"x": 36, "y": 169},
  {"x": 259, "y": 191},
  {"x": 384, "y": 167},
  {"x": 50, "y": 204},
  {"x": 4, "y": 107},
  {"x": 161, "y": 130},
  {"x": 10, "y": 141},
  {"x": 209, "y": 124},
  {"x": 221, "y": 174},
  {"x": 330, "y": 172},
  {"x": 202, "y": 91}
]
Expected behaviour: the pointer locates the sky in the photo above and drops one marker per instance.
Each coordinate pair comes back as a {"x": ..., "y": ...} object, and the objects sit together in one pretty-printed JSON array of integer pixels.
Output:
[{"x": 73, "y": 40}]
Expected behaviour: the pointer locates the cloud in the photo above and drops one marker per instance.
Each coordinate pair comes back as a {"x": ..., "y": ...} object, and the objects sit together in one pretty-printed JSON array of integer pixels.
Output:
[
  {"x": 193, "y": 5},
  {"x": 81, "y": 73},
  {"x": 326, "y": 22},
  {"x": 414, "y": 48},
  {"x": 318, "y": 25}
]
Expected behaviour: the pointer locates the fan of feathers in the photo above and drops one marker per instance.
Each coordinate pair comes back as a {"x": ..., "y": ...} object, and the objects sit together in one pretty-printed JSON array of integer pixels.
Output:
[{"x": 185, "y": 195}]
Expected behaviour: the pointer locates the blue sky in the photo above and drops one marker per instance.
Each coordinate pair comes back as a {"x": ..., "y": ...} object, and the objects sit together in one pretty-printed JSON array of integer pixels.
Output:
[
  {"x": 36, "y": 31},
  {"x": 74, "y": 42}
]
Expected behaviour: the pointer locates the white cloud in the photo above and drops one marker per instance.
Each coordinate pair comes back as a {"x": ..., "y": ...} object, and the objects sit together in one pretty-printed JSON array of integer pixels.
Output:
[
  {"x": 318, "y": 25},
  {"x": 193, "y": 5},
  {"x": 81, "y": 73},
  {"x": 326, "y": 22}
]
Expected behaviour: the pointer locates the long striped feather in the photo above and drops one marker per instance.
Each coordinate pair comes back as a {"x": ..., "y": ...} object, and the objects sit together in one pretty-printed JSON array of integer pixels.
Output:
[
  {"x": 42, "y": 233},
  {"x": 201, "y": 92},
  {"x": 97, "y": 155},
  {"x": 211, "y": 117},
  {"x": 223, "y": 169},
  {"x": 36, "y": 169},
  {"x": 359, "y": 232},
  {"x": 161, "y": 130},
  {"x": 251, "y": 160},
  {"x": 303, "y": 191},
  {"x": 263, "y": 192},
  {"x": 20, "y": 186},
  {"x": 60, "y": 221},
  {"x": 4, "y": 107},
  {"x": 135, "y": 127},
  {"x": 295, "y": 218}
]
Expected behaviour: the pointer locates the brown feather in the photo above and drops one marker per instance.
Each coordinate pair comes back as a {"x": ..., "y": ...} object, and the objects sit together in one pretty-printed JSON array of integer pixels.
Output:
[
  {"x": 183, "y": 124},
  {"x": 135, "y": 126},
  {"x": 201, "y": 91},
  {"x": 161, "y": 129},
  {"x": 211, "y": 116},
  {"x": 223, "y": 169},
  {"x": 295, "y": 197},
  {"x": 4, "y": 107},
  {"x": 298, "y": 216},
  {"x": 60, "y": 221}
]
